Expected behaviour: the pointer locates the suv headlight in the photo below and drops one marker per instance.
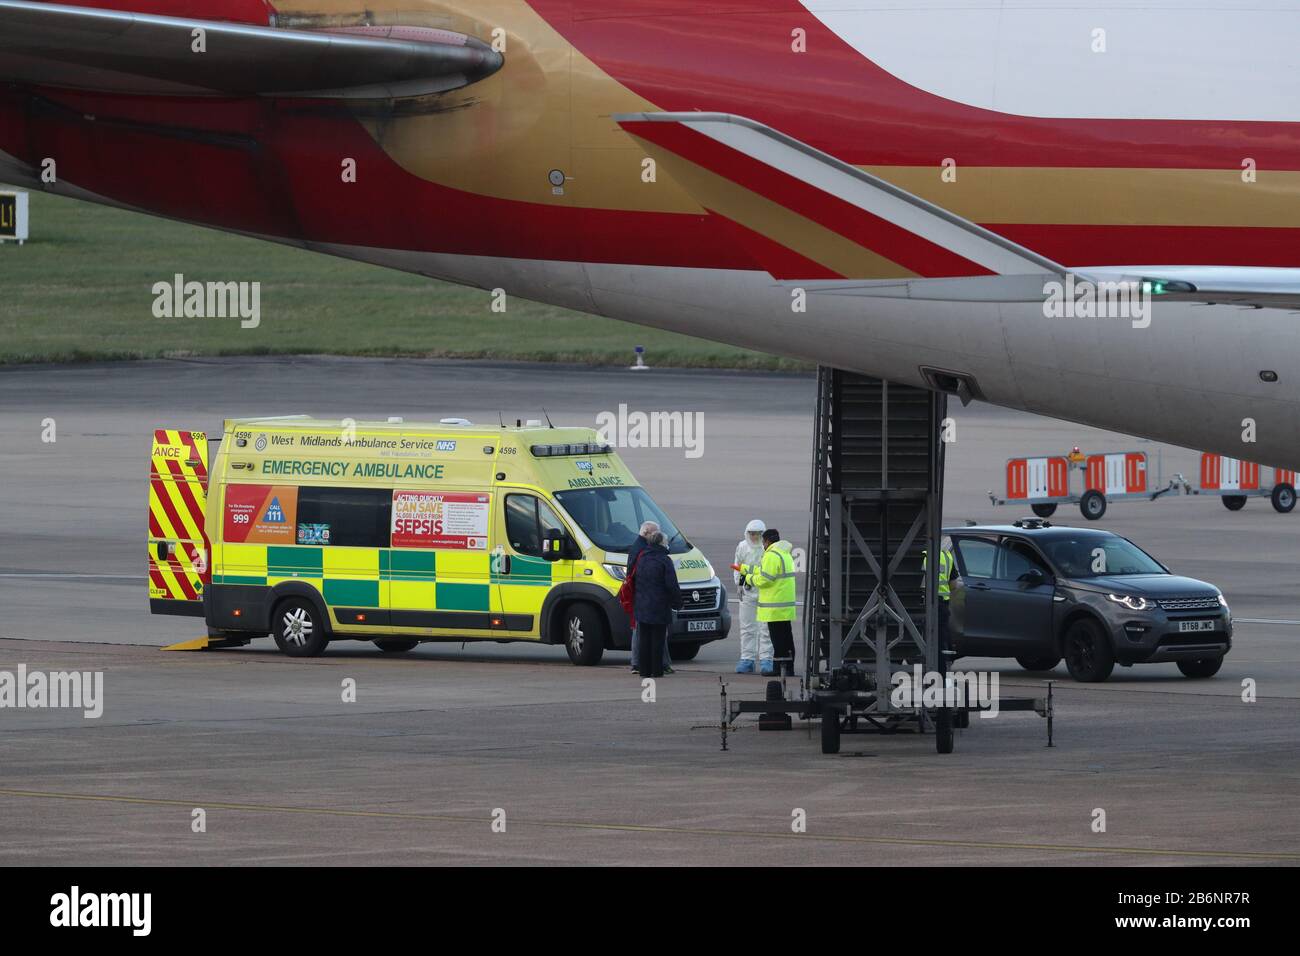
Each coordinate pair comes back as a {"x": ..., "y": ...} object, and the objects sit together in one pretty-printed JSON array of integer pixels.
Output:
[
  {"x": 616, "y": 571},
  {"x": 1132, "y": 602},
  {"x": 1223, "y": 601}
]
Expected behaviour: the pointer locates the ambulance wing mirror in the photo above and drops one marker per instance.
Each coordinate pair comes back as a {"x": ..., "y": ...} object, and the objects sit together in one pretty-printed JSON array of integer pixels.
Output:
[{"x": 556, "y": 545}]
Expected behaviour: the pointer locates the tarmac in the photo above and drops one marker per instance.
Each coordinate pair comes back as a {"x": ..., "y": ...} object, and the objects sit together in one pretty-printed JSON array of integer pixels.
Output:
[{"x": 485, "y": 753}]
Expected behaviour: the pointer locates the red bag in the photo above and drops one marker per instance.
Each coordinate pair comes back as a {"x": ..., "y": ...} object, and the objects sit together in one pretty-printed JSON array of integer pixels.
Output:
[{"x": 627, "y": 591}]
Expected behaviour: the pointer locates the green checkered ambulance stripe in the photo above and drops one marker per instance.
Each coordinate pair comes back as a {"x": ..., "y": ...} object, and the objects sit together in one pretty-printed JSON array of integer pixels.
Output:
[{"x": 525, "y": 571}]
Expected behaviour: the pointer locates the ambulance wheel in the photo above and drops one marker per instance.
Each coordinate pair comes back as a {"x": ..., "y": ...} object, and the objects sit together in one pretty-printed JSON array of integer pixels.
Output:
[
  {"x": 1044, "y": 511},
  {"x": 395, "y": 647},
  {"x": 830, "y": 731},
  {"x": 299, "y": 630},
  {"x": 1202, "y": 668},
  {"x": 1283, "y": 498},
  {"x": 1088, "y": 656},
  {"x": 584, "y": 634},
  {"x": 1093, "y": 505},
  {"x": 943, "y": 735},
  {"x": 684, "y": 652},
  {"x": 1234, "y": 502}
]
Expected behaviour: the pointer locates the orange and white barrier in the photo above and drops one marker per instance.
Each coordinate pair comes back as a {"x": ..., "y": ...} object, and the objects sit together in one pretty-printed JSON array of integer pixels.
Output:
[
  {"x": 1221, "y": 473},
  {"x": 1117, "y": 473},
  {"x": 1038, "y": 479}
]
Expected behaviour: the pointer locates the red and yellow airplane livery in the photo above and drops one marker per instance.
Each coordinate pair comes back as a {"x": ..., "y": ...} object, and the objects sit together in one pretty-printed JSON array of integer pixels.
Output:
[{"x": 1088, "y": 211}]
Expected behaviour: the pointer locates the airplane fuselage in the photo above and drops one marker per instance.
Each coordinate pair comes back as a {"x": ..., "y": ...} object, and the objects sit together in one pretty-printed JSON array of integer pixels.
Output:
[{"x": 1151, "y": 142}]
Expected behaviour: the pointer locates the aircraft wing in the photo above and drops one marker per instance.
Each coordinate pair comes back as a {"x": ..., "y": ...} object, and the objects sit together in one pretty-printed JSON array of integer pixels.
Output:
[
  {"x": 824, "y": 225},
  {"x": 108, "y": 50}
]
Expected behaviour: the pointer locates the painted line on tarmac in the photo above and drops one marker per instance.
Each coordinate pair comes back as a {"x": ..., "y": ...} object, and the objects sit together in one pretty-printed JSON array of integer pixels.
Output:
[
  {"x": 67, "y": 574},
  {"x": 666, "y": 830}
]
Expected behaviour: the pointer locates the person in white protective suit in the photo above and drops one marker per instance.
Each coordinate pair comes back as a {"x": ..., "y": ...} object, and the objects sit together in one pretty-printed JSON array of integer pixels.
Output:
[{"x": 755, "y": 645}]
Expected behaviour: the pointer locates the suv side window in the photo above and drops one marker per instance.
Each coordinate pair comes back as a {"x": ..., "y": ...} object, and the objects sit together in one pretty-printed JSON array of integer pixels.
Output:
[
  {"x": 1018, "y": 557},
  {"x": 976, "y": 557}
]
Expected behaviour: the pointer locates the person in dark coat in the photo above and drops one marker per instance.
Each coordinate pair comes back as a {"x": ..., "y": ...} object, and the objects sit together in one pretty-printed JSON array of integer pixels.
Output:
[
  {"x": 648, "y": 527},
  {"x": 657, "y": 596}
]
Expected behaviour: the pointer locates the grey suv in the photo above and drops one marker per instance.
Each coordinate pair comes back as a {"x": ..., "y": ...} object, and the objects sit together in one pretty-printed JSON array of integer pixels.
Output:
[{"x": 1038, "y": 593}]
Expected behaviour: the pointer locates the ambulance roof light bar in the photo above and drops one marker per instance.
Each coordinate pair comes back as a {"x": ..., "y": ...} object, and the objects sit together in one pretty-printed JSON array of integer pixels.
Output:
[{"x": 580, "y": 448}]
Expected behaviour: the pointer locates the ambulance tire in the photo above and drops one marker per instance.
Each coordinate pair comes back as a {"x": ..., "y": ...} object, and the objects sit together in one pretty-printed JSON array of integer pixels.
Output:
[
  {"x": 1044, "y": 511},
  {"x": 299, "y": 628},
  {"x": 685, "y": 652},
  {"x": 1092, "y": 505},
  {"x": 1234, "y": 502},
  {"x": 1283, "y": 498},
  {"x": 391, "y": 646},
  {"x": 584, "y": 633}
]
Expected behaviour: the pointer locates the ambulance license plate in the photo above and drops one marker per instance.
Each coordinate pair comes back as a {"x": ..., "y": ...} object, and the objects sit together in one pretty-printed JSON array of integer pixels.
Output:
[
  {"x": 1185, "y": 626},
  {"x": 710, "y": 625}
]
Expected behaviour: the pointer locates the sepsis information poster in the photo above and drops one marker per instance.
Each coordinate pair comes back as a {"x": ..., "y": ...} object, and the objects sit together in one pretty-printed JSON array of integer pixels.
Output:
[{"x": 450, "y": 521}]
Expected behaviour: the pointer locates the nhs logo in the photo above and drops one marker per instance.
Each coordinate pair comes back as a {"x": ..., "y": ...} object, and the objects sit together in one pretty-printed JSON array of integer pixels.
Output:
[
  {"x": 583, "y": 465},
  {"x": 446, "y": 444},
  {"x": 274, "y": 513}
]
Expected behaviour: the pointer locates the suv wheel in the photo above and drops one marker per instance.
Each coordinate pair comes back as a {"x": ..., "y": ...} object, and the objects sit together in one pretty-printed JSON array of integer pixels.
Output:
[
  {"x": 584, "y": 634},
  {"x": 1088, "y": 655},
  {"x": 1044, "y": 663},
  {"x": 298, "y": 628},
  {"x": 1202, "y": 668}
]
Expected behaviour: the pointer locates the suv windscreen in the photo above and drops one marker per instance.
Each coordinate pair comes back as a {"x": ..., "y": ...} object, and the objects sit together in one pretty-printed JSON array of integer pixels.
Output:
[
  {"x": 611, "y": 517},
  {"x": 1094, "y": 556}
]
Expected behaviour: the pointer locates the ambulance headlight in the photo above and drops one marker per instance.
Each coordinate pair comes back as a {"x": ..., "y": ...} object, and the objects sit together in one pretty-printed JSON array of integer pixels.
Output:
[{"x": 616, "y": 571}]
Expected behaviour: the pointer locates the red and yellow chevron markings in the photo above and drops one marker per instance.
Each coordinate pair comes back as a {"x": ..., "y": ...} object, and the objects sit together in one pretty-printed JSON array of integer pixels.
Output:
[
  {"x": 178, "y": 544},
  {"x": 803, "y": 214}
]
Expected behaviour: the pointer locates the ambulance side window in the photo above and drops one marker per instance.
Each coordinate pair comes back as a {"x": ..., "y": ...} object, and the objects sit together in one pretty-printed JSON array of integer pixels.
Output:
[
  {"x": 521, "y": 525},
  {"x": 527, "y": 519},
  {"x": 344, "y": 517}
]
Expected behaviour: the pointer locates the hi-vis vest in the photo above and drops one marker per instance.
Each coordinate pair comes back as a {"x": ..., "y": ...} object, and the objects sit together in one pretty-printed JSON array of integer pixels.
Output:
[
  {"x": 774, "y": 579},
  {"x": 945, "y": 572}
]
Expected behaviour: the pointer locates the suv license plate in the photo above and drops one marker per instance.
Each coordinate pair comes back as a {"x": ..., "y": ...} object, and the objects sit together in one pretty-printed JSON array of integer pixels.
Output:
[
  {"x": 1185, "y": 626},
  {"x": 701, "y": 625}
]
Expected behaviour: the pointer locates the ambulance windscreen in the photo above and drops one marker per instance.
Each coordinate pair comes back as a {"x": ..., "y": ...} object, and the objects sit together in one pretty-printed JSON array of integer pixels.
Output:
[{"x": 611, "y": 517}]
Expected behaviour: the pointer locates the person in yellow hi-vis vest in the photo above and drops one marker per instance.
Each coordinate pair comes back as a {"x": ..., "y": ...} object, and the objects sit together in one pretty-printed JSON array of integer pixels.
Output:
[
  {"x": 774, "y": 579},
  {"x": 947, "y": 571}
]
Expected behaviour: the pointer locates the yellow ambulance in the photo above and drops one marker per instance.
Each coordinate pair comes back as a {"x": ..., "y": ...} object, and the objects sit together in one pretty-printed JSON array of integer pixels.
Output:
[{"x": 397, "y": 533}]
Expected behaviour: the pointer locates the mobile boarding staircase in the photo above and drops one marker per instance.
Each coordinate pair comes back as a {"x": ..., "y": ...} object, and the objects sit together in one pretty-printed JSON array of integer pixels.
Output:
[{"x": 869, "y": 610}]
